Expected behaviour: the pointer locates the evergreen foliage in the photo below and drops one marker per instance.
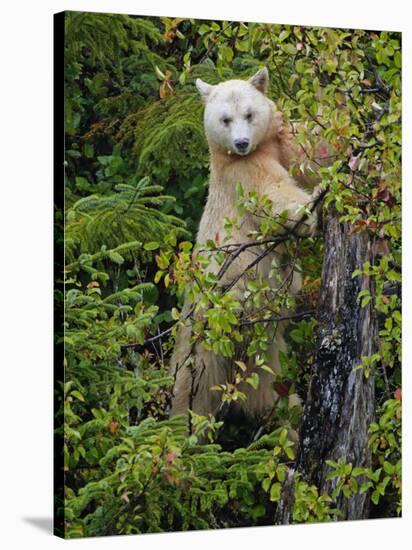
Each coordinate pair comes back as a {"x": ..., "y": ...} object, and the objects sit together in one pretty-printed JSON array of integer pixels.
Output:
[{"x": 131, "y": 213}]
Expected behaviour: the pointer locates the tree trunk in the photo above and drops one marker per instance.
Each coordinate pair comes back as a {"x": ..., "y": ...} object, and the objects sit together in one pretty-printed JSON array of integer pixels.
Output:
[{"x": 340, "y": 402}]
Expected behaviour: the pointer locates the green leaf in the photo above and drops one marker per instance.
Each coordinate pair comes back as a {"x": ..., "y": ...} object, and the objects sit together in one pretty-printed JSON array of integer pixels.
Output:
[
  {"x": 365, "y": 301},
  {"x": 78, "y": 395},
  {"x": 394, "y": 275},
  {"x": 289, "y": 49},
  {"x": 375, "y": 496},
  {"x": 358, "y": 471},
  {"x": 365, "y": 487},
  {"x": 82, "y": 184},
  {"x": 253, "y": 380},
  {"x": 275, "y": 492},
  {"x": 387, "y": 466},
  {"x": 290, "y": 453},
  {"x": 115, "y": 257},
  {"x": 203, "y": 29},
  {"x": 281, "y": 473},
  {"x": 153, "y": 245},
  {"x": 267, "y": 369},
  {"x": 296, "y": 336},
  {"x": 239, "y": 190},
  {"x": 266, "y": 484},
  {"x": 258, "y": 511},
  {"x": 283, "y": 437},
  {"x": 175, "y": 314}
]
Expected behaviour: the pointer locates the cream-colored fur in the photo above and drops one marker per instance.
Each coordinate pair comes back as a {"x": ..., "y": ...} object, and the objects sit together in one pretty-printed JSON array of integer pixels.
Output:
[{"x": 262, "y": 168}]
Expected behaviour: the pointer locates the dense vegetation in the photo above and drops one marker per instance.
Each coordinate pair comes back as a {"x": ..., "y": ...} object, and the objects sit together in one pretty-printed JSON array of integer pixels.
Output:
[{"x": 136, "y": 180}]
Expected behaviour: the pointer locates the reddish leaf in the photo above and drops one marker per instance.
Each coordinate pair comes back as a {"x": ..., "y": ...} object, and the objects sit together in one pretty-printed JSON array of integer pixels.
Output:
[
  {"x": 354, "y": 162},
  {"x": 93, "y": 284},
  {"x": 383, "y": 194},
  {"x": 323, "y": 151},
  {"x": 113, "y": 426},
  {"x": 281, "y": 389}
]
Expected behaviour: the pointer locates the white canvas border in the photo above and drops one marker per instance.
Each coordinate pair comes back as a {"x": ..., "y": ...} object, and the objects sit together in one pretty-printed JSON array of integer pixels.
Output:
[{"x": 26, "y": 273}]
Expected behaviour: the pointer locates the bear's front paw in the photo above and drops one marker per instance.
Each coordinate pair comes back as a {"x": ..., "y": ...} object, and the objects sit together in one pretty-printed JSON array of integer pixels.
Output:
[
  {"x": 308, "y": 224},
  {"x": 318, "y": 191},
  {"x": 316, "y": 206}
]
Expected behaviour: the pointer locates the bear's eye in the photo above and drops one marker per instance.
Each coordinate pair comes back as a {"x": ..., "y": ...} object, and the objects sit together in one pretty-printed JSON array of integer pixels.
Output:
[
  {"x": 226, "y": 120},
  {"x": 249, "y": 117}
]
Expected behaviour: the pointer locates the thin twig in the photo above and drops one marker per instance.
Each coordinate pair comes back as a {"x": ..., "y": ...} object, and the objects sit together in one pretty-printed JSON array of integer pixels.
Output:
[
  {"x": 292, "y": 317},
  {"x": 231, "y": 258}
]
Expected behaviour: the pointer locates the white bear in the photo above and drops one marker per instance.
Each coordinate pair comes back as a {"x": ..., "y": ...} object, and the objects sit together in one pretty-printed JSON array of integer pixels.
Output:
[{"x": 248, "y": 144}]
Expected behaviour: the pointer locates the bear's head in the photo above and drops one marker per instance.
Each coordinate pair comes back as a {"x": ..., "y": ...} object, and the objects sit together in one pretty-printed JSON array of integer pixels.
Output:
[{"x": 237, "y": 112}]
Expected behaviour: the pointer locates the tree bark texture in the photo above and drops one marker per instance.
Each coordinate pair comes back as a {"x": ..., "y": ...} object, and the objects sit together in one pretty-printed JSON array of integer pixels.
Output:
[{"x": 340, "y": 401}]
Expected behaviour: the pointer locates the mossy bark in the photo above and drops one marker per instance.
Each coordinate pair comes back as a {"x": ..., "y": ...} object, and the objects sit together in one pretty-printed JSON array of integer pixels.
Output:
[{"x": 340, "y": 402}]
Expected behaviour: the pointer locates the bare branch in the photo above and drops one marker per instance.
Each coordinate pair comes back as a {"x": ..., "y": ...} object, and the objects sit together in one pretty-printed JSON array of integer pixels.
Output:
[{"x": 229, "y": 260}]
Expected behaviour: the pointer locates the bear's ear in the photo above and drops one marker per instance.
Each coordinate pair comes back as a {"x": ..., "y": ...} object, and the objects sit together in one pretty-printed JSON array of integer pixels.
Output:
[
  {"x": 203, "y": 88},
  {"x": 260, "y": 80}
]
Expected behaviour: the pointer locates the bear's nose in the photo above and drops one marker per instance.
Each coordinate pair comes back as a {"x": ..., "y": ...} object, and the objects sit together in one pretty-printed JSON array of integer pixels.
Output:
[{"x": 241, "y": 144}]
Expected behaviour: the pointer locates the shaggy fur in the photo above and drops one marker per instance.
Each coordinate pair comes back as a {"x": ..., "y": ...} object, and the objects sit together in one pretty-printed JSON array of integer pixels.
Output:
[{"x": 262, "y": 168}]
